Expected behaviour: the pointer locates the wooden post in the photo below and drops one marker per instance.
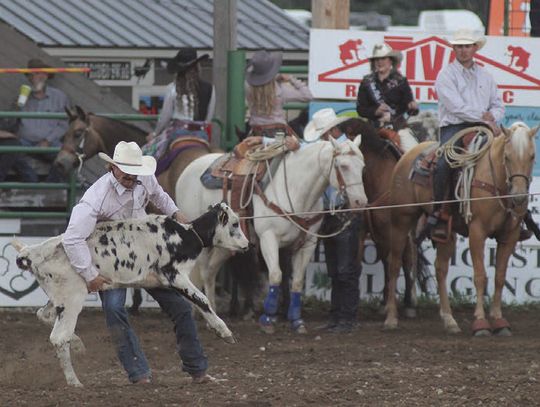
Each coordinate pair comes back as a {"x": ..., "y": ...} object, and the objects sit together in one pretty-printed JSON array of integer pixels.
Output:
[
  {"x": 330, "y": 14},
  {"x": 224, "y": 40}
]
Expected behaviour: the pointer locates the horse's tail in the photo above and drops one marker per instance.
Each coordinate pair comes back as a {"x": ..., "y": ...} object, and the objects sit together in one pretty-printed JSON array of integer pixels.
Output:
[{"x": 423, "y": 273}]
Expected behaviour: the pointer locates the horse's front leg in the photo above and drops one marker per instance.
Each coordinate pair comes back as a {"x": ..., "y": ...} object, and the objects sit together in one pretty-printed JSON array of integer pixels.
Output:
[
  {"x": 477, "y": 240},
  {"x": 442, "y": 260},
  {"x": 500, "y": 325},
  {"x": 270, "y": 251},
  {"x": 299, "y": 263}
]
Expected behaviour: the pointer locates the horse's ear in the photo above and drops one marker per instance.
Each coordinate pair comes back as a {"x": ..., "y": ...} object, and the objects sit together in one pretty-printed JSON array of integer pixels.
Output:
[
  {"x": 505, "y": 131},
  {"x": 533, "y": 131},
  {"x": 358, "y": 140},
  {"x": 71, "y": 115},
  {"x": 81, "y": 113}
]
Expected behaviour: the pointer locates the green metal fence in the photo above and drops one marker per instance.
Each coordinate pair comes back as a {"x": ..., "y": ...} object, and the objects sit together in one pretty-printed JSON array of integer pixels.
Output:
[{"x": 235, "y": 117}]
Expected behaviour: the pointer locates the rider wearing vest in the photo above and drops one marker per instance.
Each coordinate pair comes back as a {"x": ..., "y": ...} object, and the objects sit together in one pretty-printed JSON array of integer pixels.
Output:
[
  {"x": 267, "y": 91},
  {"x": 384, "y": 95},
  {"x": 341, "y": 250},
  {"x": 189, "y": 102},
  {"x": 467, "y": 96}
]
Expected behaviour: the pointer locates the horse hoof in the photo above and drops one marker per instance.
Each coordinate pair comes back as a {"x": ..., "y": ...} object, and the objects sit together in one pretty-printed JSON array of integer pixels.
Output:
[
  {"x": 410, "y": 312},
  {"x": 300, "y": 329},
  {"x": 481, "y": 327},
  {"x": 482, "y": 333},
  {"x": 503, "y": 332},
  {"x": 453, "y": 329},
  {"x": 268, "y": 329},
  {"x": 390, "y": 326}
]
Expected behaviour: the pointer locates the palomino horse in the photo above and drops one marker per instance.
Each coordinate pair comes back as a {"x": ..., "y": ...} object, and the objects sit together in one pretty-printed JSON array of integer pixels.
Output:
[
  {"x": 381, "y": 157},
  {"x": 296, "y": 187},
  {"x": 504, "y": 169},
  {"x": 89, "y": 134}
]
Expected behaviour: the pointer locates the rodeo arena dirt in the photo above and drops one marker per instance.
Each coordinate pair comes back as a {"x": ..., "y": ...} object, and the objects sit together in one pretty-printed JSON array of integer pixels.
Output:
[{"x": 417, "y": 365}]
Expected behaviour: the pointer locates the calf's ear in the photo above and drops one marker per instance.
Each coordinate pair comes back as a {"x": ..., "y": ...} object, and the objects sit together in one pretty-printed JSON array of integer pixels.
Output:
[{"x": 223, "y": 217}]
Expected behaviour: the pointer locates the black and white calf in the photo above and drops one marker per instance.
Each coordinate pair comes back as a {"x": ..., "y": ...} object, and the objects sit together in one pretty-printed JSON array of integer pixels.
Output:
[{"x": 155, "y": 251}]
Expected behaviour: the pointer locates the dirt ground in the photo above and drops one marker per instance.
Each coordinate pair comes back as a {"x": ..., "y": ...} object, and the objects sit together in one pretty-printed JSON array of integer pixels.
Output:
[{"x": 417, "y": 365}]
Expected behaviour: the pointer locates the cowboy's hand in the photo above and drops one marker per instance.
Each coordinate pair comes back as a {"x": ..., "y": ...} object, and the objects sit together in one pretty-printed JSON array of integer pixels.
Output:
[
  {"x": 292, "y": 143},
  {"x": 412, "y": 107},
  {"x": 283, "y": 77},
  {"x": 382, "y": 109},
  {"x": 150, "y": 136},
  {"x": 488, "y": 117},
  {"x": 180, "y": 218},
  {"x": 494, "y": 128},
  {"x": 253, "y": 140},
  {"x": 97, "y": 283}
]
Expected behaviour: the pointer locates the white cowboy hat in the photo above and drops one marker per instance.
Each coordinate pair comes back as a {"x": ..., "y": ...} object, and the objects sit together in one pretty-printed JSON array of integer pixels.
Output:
[
  {"x": 464, "y": 36},
  {"x": 385, "y": 51},
  {"x": 262, "y": 67},
  {"x": 129, "y": 158},
  {"x": 322, "y": 121}
]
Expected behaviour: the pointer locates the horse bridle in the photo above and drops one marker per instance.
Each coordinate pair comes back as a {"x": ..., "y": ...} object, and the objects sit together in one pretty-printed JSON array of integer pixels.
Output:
[
  {"x": 339, "y": 175},
  {"x": 508, "y": 183}
]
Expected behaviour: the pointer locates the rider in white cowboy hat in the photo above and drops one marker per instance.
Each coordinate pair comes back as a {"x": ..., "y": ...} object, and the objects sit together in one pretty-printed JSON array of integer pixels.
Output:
[
  {"x": 467, "y": 96},
  {"x": 320, "y": 124},
  {"x": 341, "y": 249},
  {"x": 266, "y": 92},
  {"x": 129, "y": 158},
  {"x": 464, "y": 36},
  {"x": 384, "y": 95},
  {"x": 123, "y": 193}
]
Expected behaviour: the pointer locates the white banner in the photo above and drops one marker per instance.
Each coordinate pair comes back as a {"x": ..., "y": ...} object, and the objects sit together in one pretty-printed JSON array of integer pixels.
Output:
[{"x": 338, "y": 60}]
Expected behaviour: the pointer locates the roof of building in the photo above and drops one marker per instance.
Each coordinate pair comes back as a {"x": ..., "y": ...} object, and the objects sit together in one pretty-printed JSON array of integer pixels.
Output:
[
  {"x": 149, "y": 24},
  {"x": 15, "y": 52}
]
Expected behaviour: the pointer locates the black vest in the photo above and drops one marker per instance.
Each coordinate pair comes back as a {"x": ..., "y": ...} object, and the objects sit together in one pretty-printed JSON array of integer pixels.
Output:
[{"x": 205, "y": 94}]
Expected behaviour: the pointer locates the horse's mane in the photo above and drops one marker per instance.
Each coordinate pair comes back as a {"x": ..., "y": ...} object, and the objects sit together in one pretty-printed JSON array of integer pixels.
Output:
[
  {"x": 371, "y": 141},
  {"x": 118, "y": 123}
]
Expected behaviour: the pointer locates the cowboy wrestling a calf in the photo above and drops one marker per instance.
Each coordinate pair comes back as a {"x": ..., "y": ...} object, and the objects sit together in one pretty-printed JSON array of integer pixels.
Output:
[{"x": 155, "y": 251}]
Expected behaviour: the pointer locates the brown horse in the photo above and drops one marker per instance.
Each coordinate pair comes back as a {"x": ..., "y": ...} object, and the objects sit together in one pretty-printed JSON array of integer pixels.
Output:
[
  {"x": 505, "y": 169},
  {"x": 89, "y": 134},
  {"x": 381, "y": 157}
]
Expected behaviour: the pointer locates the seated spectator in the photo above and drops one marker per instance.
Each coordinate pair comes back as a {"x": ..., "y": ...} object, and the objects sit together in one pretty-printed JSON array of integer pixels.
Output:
[
  {"x": 43, "y": 132},
  {"x": 13, "y": 161}
]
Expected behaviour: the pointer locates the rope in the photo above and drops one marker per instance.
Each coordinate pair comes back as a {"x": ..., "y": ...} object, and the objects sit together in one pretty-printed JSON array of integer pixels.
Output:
[
  {"x": 268, "y": 152},
  {"x": 369, "y": 208}
]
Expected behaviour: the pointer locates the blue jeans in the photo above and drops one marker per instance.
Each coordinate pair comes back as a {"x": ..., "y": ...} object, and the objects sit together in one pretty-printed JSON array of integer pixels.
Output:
[
  {"x": 127, "y": 344},
  {"x": 16, "y": 161},
  {"x": 341, "y": 254}
]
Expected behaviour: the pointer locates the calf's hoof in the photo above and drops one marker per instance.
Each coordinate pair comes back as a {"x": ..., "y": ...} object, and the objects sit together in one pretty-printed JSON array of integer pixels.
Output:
[
  {"x": 481, "y": 328},
  {"x": 229, "y": 339},
  {"x": 453, "y": 329}
]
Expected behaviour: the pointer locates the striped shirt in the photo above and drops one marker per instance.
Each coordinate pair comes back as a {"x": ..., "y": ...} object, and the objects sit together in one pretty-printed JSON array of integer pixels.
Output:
[
  {"x": 36, "y": 130},
  {"x": 465, "y": 94}
]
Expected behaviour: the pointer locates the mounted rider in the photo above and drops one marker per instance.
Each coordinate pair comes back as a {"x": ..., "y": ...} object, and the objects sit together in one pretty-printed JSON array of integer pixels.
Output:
[
  {"x": 266, "y": 92},
  {"x": 384, "y": 95}
]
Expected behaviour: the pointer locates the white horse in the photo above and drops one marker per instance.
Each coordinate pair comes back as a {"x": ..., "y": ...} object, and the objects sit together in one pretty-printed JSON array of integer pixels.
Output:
[{"x": 297, "y": 186}]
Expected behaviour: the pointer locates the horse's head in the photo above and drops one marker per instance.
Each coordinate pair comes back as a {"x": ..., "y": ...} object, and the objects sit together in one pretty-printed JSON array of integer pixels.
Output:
[
  {"x": 518, "y": 161},
  {"x": 346, "y": 174},
  {"x": 80, "y": 142}
]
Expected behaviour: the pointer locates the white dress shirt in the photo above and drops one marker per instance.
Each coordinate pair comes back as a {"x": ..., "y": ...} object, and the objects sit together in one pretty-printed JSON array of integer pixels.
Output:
[
  {"x": 465, "y": 94},
  {"x": 105, "y": 200}
]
